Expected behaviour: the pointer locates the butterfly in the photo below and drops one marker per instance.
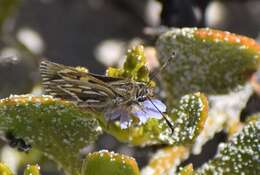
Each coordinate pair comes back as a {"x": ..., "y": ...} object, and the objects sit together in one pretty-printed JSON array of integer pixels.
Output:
[{"x": 119, "y": 98}]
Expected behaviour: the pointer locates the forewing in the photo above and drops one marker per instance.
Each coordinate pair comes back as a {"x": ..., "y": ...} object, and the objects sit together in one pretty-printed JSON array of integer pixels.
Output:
[{"x": 74, "y": 85}]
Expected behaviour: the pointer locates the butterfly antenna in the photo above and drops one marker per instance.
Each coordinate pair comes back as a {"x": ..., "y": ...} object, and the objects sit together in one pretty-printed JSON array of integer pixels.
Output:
[
  {"x": 165, "y": 118},
  {"x": 163, "y": 66}
]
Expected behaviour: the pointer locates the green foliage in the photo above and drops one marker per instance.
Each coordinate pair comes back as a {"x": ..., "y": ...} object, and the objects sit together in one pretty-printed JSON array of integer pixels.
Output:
[
  {"x": 55, "y": 127},
  {"x": 208, "y": 61},
  {"x": 109, "y": 163},
  {"x": 134, "y": 67},
  {"x": 4, "y": 170},
  {"x": 240, "y": 155},
  {"x": 187, "y": 170},
  {"x": 29, "y": 170},
  {"x": 189, "y": 118},
  {"x": 32, "y": 170}
]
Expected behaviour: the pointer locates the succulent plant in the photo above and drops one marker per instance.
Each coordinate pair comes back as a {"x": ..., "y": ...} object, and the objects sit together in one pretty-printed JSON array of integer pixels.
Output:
[{"x": 206, "y": 61}]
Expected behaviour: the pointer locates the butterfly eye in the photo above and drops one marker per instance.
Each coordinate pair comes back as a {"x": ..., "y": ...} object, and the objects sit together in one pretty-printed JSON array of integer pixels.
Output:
[{"x": 141, "y": 98}]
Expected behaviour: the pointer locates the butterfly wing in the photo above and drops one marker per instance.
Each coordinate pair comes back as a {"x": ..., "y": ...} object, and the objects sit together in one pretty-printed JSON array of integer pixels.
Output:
[{"x": 69, "y": 83}]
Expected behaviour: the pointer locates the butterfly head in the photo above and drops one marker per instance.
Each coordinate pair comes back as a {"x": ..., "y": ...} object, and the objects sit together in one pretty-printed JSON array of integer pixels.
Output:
[{"x": 150, "y": 107}]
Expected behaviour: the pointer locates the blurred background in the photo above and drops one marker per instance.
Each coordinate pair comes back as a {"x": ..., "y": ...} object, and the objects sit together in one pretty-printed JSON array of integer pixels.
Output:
[{"x": 96, "y": 34}]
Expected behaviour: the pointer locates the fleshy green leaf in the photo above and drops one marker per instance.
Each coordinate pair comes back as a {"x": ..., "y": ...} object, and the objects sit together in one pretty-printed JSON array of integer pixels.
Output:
[
  {"x": 4, "y": 170},
  {"x": 166, "y": 160},
  {"x": 57, "y": 128},
  {"x": 190, "y": 117},
  {"x": 188, "y": 120},
  {"x": 109, "y": 163},
  {"x": 240, "y": 155},
  {"x": 187, "y": 170},
  {"x": 32, "y": 170},
  {"x": 134, "y": 67},
  {"x": 208, "y": 61}
]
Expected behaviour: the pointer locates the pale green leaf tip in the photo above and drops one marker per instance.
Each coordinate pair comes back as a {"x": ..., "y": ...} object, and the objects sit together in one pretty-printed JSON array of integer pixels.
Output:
[
  {"x": 187, "y": 170},
  {"x": 134, "y": 66},
  {"x": 165, "y": 160},
  {"x": 4, "y": 169},
  {"x": 109, "y": 163},
  {"x": 32, "y": 170}
]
